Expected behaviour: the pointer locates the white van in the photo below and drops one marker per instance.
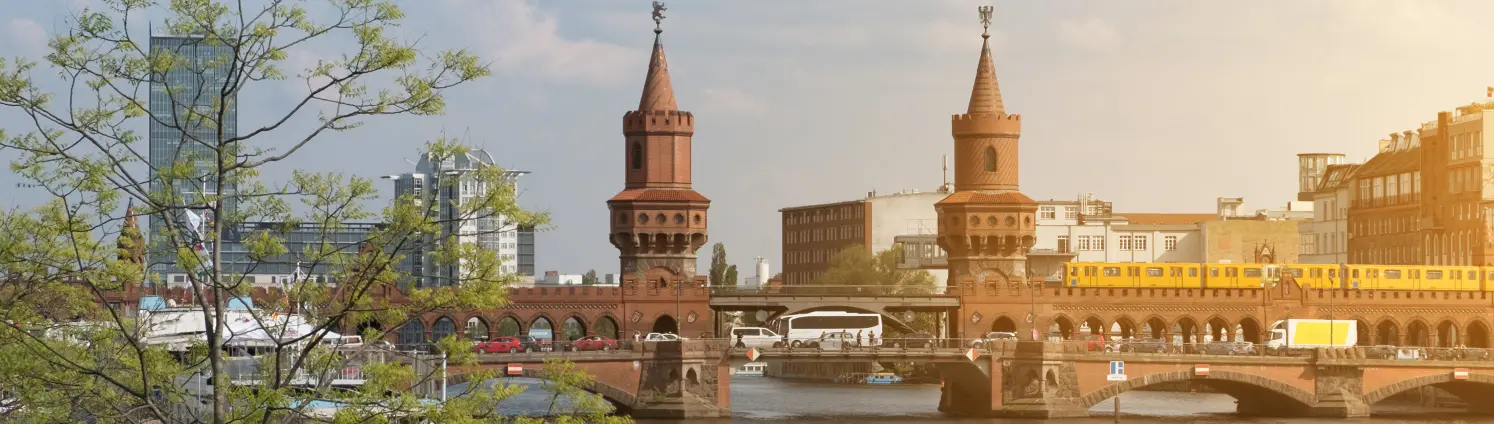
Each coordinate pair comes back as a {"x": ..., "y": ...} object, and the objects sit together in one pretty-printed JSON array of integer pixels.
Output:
[{"x": 758, "y": 337}]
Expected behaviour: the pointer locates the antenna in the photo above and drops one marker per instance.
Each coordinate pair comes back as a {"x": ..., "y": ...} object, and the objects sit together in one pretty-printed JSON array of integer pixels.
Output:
[{"x": 944, "y": 163}]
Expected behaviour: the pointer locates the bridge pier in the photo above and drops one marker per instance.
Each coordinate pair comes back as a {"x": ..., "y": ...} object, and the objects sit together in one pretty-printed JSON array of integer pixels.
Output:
[
  {"x": 1339, "y": 392},
  {"x": 674, "y": 386}
]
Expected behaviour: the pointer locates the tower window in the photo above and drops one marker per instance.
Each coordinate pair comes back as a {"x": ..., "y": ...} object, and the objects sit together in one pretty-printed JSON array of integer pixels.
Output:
[
  {"x": 637, "y": 155},
  {"x": 990, "y": 159}
]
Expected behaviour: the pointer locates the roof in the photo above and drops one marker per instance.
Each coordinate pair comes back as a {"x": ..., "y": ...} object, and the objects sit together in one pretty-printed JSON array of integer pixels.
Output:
[
  {"x": 1167, "y": 218},
  {"x": 658, "y": 91},
  {"x": 1157, "y": 227},
  {"x": 985, "y": 96},
  {"x": 976, "y": 197},
  {"x": 1391, "y": 162},
  {"x": 1335, "y": 176},
  {"x": 656, "y": 194}
]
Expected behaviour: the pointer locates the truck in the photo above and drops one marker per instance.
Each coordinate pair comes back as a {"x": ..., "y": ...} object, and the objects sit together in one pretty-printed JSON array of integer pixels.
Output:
[{"x": 1300, "y": 334}]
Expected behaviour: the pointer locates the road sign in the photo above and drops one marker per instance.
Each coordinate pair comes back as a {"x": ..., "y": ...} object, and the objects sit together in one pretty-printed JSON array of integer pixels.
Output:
[
  {"x": 1117, "y": 371},
  {"x": 753, "y": 354},
  {"x": 1201, "y": 370},
  {"x": 1460, "y": 373},
  {"x": 971, "y": 354},
  {"x": 515, "y": 369}
]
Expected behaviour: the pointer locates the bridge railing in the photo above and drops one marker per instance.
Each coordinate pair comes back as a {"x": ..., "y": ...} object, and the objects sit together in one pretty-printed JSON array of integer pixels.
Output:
[{"x": 835, "y": 290}]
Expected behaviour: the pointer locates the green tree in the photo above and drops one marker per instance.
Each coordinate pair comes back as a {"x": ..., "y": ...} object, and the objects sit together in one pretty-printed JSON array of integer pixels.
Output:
[
  {"x": 857, "y": 271},
  {"x": 729, "y": 278},
  {"x": 590, "y": 278},
  {"x": 717, "y": 275},
  {"x": 66, "y": 358}
]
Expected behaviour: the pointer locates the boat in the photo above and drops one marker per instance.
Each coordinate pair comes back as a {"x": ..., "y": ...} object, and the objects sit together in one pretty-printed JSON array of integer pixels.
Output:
[
  {"x": 752, "y": 369},
  {"x": 869, "y": 378}
]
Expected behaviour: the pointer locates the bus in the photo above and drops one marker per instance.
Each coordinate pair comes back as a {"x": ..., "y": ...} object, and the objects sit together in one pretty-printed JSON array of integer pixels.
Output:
[{"x": 802, "y": 328}]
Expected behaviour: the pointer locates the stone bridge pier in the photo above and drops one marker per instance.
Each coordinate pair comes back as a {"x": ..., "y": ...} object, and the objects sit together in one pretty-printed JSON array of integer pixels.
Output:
[{"x": 1037, "y": 380}]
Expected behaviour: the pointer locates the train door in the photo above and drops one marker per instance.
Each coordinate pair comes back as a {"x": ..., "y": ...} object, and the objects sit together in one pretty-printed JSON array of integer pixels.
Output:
[
  {"x": 1229, "y": 277},
  {"x": 1194, "y": 279},
  {"x": 1174, "y": 276}
]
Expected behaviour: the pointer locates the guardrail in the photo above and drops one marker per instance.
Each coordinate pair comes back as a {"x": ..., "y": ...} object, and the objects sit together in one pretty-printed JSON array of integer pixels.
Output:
[{"x": 835, "y": 290}]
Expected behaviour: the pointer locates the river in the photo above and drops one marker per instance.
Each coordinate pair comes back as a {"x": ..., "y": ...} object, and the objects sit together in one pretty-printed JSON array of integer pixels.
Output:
[{"x": 762, "y": 400}]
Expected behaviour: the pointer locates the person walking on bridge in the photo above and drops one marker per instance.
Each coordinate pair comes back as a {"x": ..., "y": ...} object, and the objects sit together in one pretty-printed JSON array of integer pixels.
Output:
[{"x": 858, "y": 338}]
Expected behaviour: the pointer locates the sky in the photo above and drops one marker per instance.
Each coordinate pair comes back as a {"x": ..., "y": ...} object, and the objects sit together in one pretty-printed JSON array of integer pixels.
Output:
[{"x": 1154, "y": 105}]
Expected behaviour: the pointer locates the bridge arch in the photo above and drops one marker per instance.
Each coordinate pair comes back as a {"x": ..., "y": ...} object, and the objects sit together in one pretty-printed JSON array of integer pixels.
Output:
[
  {"x": 476, "y": 328},
  {"x": 1477, "y": 388},
  {"x": 443, "y": 327},
  {"x": 1388, "y": 331},
  {"x": 1248, "y": 329},
  {"x": 665, "y": 323},
  {"x": 1003, "y": 323},
  {"x": 1095, "y": 324},
  {"x": 605, "y": 325},
  {"x": 1249, "y": 389},
  {"x": 1154, "y": 327},
  {"x": 1447, "y": 333},
  {"x": 1478, "y": 333},
  {"x": 1061, "y": 325},
  {"x": 1216, "y": 328},
  {"x": 1418, "y": 333},
  {"x": 508, "y": 325},
  {"x": 1123, "y": 326},
  {"x": 541, "y": 321},
  {"x": 573, "y": 328}
]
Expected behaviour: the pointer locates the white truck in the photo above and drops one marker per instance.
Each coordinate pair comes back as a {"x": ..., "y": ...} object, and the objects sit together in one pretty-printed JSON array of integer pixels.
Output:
[{"x": 1300, "y": 334}]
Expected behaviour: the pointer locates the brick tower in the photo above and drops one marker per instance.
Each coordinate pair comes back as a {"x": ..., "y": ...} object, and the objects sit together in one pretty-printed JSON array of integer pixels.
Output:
[
  {"x": 986, "y": 225},
  {"x": 658, "y": 221}
]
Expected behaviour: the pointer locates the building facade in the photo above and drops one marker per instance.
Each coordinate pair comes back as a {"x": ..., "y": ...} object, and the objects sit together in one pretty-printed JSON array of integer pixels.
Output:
[
  {"x": 1312, "y": 168},
  {"x": 815, "y": 233},
  {"x": 658, "y": 221},
  {"x": 1385, "y": 212},
  {"x": 444, "y": 182},
  {"x": 1324, "y": 240}
]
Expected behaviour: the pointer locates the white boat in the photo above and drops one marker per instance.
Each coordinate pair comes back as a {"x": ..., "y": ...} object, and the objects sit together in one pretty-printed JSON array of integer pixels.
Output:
[{"x": 752, "y": 369}]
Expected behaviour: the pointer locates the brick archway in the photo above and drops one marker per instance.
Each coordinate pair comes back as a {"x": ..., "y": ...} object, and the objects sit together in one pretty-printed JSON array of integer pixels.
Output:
[
  {"x": 1238, "y": 385},
  {"x": 1476, "y": 388}
]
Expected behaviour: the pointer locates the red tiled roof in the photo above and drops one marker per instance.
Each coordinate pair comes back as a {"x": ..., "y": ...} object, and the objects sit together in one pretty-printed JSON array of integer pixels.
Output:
[
  {"x": 644, "y": 194},
  {"x": 1167, "y": 218},
  {"x": 984, "y": 198}
]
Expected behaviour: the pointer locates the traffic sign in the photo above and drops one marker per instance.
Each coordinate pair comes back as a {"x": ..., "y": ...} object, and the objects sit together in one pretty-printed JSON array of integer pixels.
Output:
[
  {"x": 1201, "y": 370},
  {"x": 753, "y": 354},
  {"x": 1460, "y": 373},
  {"x": 515, "y": 369},
  {"x": 1117, "y": 371},
  {"x": 971, "y": 354}
]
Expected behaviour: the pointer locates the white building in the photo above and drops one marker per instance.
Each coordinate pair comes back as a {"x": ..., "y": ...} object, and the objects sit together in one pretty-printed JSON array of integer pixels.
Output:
[
  {"x": 1086, "y": 230},
  {"x": 442, "y": 184},
  {"x": 813, "y": 234},
  {"x": 1325, "y": 239}
]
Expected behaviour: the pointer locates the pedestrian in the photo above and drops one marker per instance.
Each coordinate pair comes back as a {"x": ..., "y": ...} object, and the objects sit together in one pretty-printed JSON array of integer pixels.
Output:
[
  {"x": 858, "y": 337},
  {"x": 637, "y": 336},
  {"x": 871, "y": 338}
]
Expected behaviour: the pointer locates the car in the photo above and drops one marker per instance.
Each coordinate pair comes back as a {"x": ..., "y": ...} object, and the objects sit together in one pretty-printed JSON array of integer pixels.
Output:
[
  {"x": 1147, "y": 345},
  {"x": 918, "y": 340},
  {"x": 993, "y": 337},
  {"x": 838, "y": 340},
  {"x": 1093, "y": 342},
  {"x": 594, "y": 343},
  {"x": 504, "y": 344},
  {"x": 1229, "y": 348},
  {"x": 662, "y": 337},
  {"x": 758, "y": 337}
]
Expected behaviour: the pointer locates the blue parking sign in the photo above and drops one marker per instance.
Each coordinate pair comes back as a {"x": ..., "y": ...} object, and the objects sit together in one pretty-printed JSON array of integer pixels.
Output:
[{"x": 1117, "y": 368}]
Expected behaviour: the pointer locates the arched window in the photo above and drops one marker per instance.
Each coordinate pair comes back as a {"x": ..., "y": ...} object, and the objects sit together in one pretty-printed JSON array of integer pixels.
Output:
[
  {"x": 990, "y": 159},
  {"x": 637, "y": 155}
]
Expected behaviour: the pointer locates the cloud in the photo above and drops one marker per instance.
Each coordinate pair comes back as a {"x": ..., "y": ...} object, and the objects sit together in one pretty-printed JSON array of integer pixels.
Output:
[
  {"x": 1090, "y": 33},
  {"x": 732, "y": 100},
  {"x": 27, "y": 34},
  {"x": 524, "y": 40}
]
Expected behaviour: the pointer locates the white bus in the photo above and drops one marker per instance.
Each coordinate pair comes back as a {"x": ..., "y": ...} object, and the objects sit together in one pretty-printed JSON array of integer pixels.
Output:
[{"x": 802, "y": 328}]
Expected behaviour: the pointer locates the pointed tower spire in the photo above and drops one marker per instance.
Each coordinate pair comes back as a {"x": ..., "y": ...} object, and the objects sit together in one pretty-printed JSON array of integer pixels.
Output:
[
  {"x": 985, "y": 96},
  {"x": 658, "y": 91}
]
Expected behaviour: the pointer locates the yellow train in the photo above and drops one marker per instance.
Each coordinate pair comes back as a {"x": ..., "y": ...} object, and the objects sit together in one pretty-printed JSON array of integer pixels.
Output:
[{"x": 1323, "y": 276}]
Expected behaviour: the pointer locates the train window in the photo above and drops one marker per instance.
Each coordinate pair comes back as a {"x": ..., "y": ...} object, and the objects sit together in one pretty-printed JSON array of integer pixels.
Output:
[
  {"x": 1074, "y": 271},
  {"x": 1332, "y": 273},
  {"x": 1315, "y": 273},
  {"x": 1415, "y": 273},
  {"x": 1457, "y": 274},
  {"x": 1296, "y": 272},
  {"x": 1153, "y": 271},
  {"x": 1356, "y": 273},
  {"x": 1434, "y": 275},
  {"x": 1491, "y": 275},
  {"x": 1231, "y": 272},
  {"x": 1393, "y": 274},
  {"x": 1214, "y": 272},
  {"x": 1112, "y": 271},
  {"x": 1193, "y": 272},
  {"x": 1135, "y": 271},
  {"x": 1252, "y": 272},
  {"x": 1175, "y": 272}
]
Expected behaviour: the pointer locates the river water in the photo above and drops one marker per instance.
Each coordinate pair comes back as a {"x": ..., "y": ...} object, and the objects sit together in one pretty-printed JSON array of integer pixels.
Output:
[{"x": 762, "y": 400}]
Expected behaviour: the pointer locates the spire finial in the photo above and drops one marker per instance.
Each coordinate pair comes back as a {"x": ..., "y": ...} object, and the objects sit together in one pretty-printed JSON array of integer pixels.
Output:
[
  {"x": 659, "y": 16},
  {"x": 985, "y": 20}
]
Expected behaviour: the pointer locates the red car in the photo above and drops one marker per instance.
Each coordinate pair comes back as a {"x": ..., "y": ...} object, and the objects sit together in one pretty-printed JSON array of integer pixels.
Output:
[
  {"x": 594, "y": 343},
  {"x": 502, "y": 344}
]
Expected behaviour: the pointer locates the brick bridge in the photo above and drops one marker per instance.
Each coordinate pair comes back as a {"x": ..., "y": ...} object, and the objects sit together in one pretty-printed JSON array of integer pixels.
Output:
[{"x": 1048, "y": 380}]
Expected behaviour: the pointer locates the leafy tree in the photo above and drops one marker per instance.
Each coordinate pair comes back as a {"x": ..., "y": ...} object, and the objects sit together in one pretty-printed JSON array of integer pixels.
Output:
[
  {"x": 858, "y": 271},
  {"x": 66, "y": 358},
  {"x": 590, "y": 278},
  {"x": 729, "y": 277},
  {"x": 717, "y": 276}
]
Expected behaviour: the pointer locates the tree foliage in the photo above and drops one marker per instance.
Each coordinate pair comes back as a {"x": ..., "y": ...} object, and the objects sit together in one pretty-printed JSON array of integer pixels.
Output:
[
  {"x": 590, "y": 278},
  {"x": 717, "y": 275},
  {"x": 860, "y": 272},
  {"x": 64, "y": 357}
]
